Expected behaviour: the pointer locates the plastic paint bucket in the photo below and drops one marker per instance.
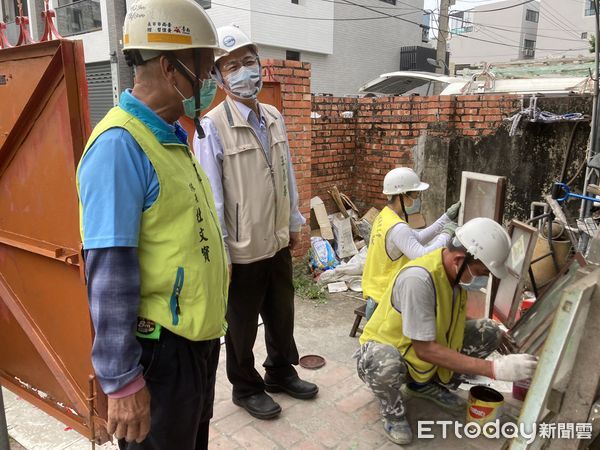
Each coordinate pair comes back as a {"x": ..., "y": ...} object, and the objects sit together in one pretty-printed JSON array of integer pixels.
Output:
[{"x": 483, "y": 404}]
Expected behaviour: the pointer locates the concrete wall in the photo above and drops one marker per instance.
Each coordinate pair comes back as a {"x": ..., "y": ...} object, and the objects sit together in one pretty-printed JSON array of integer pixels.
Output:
[
  {"x": 294, "y": 33},
  {"x": 343, "y": 54},
  {"x": 466, "y": 49},
  {"x": 232, "y": 11},
  {"x": 363, "y": 50},
  {"x": 560, "y": 28}
]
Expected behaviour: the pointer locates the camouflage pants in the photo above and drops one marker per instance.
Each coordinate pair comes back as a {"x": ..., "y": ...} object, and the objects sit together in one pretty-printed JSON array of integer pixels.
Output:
[{"x": 383, "y": 370}]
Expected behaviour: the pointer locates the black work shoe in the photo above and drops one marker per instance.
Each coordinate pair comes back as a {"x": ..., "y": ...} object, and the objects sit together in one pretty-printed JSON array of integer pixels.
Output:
[
  {"x": 260, "y": 405},
  {"x": 292, "y": 386}
]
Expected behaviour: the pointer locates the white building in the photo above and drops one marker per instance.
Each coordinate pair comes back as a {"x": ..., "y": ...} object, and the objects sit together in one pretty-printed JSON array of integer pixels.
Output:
[
  {"x": 565, "y": 28},
  {"x": 347, "y": 44},
  {"x": 92, "y": 21},
  {"x": 344, "y": 49},
  {"x": 494, "y": 32}
]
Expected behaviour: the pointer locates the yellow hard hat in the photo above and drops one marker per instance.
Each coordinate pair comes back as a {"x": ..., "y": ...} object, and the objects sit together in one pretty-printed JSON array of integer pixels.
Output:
[{"x": 168, "y": 25}]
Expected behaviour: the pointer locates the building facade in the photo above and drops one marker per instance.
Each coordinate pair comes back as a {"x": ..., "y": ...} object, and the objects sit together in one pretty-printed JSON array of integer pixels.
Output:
[
  {"x": 347, "y": 43},
  {"x": 565, "y": 28},
  {"x": 496, "y": 32}
]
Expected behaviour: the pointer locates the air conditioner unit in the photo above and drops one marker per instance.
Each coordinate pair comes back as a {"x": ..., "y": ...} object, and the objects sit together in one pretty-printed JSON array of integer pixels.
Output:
[{"x": 529, "y": 52}]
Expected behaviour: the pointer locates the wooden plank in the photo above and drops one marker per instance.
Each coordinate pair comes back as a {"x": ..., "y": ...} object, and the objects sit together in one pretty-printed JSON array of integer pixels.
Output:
[
  {"x": 584, "y": 379},
  {"x": 556, "y": 355}
]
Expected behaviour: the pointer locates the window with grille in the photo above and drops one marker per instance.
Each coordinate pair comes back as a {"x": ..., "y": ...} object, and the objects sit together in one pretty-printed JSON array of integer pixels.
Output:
[
  {"x": 292, "y": 55},
  {"x": 532, "y": 16},
  {"x": 589, "y": 8}
]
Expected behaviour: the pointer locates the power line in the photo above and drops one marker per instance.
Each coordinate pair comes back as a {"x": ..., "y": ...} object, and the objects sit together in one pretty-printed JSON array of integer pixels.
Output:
[
  {"x": 468, "y": 37},
  {"x": 503, "y": 8},
  {"x": 416, "y": 8},
  {"x": 289, "y": 16},
  {"x": 547, "y": 11},
  {"x": 397, "y": 17}
]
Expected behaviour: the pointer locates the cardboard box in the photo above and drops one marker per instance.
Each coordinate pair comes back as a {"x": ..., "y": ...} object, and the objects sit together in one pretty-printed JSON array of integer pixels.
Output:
[
  {"x": 371, "y": 215},
  {"x": 319, "y": 220},
  {"x": 416, "y": 221}
]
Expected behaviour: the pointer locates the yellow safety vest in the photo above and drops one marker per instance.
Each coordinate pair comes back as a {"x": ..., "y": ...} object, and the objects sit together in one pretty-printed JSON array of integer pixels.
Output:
[
  {"x": 183, "y": 267},
  {"x": 385, "y": 326},
  {"x": 380, "y": 268}
]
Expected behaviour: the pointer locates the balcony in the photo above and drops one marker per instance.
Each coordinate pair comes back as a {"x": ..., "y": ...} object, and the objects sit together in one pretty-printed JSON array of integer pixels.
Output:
[{"x": 82, "y": 16}]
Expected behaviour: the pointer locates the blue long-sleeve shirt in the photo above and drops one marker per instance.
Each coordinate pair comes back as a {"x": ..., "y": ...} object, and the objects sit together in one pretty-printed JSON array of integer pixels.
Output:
[{"x": 117, "y": 183}]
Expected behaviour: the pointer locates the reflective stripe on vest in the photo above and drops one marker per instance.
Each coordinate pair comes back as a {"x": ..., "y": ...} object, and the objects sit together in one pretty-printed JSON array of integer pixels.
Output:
[
  {"x": 380, "y": 268},
  {"x": 385, "y": 326},
  {"x": 183, "y": 267}
]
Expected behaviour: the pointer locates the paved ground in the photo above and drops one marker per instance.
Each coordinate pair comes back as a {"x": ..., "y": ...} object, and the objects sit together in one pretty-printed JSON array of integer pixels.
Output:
[{"x": 344, "y": 415}]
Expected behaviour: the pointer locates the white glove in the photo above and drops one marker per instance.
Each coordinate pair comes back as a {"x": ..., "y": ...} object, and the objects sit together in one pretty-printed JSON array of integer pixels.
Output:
[
  {"x": 515, "y": 367},
  {"x": 452, "y": 212}
]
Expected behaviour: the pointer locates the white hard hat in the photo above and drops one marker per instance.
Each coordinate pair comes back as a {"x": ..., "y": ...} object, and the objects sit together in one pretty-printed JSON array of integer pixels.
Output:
[
  {"x": 231, "y": 37},
  {"x": 488, "y": 242},
  {"x": 401, "y": 180},
  {"x": 168, "y": 25}
]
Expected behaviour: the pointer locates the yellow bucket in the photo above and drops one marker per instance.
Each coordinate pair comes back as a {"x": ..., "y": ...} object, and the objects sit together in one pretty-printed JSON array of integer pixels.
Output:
[{"x": 483, "y": 404}]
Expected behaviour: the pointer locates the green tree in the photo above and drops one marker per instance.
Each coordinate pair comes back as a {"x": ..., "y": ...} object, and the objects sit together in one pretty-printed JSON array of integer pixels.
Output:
[{"x": 592, "y": 41}]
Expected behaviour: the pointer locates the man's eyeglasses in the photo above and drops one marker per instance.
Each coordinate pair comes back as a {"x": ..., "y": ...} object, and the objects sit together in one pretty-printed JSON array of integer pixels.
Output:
[{"x": 234, "y": 66}]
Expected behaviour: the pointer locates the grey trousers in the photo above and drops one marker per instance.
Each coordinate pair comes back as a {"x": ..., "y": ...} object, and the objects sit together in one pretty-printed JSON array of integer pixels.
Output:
[{"x": 383, "y": 370}]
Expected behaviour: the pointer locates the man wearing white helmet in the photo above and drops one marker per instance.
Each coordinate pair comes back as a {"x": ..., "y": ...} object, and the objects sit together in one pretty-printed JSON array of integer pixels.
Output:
[
  {"x": 246, "y": 156},
  {"x": 418, "y": 337},
  {"x": 393, "y": 242},
  {"x": 155, "y": 261}
]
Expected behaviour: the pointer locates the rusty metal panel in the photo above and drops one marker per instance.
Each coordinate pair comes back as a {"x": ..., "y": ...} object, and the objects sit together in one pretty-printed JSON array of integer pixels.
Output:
[{"x": 45, "y": 325}]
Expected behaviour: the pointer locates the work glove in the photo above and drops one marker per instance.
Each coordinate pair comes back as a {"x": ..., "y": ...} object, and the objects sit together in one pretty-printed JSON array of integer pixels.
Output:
[
  {"x": 452, "y": 212},
  {"x": 449, "y": 228},
  {"x": 515, "y": 367}
]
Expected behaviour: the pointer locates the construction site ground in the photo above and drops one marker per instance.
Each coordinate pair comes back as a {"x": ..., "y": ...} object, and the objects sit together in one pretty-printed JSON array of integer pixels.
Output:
[{"x": 344, "y": 415}]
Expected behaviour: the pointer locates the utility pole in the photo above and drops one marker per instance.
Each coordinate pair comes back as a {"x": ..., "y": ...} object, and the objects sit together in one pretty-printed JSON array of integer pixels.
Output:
[{"x": 442, "y": 35}]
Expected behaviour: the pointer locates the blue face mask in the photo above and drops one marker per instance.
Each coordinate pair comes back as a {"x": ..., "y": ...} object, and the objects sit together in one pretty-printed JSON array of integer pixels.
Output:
[
  {"x": 246, "y": 83},
  {"x": 207, "y": 95},
  {"x": 415, "y": 207},
  {"x": 477, "y": 282}
]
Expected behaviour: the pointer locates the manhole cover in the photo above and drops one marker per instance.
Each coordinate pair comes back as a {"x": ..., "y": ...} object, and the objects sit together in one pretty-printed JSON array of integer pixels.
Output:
[{"x": 312, "y": 361}]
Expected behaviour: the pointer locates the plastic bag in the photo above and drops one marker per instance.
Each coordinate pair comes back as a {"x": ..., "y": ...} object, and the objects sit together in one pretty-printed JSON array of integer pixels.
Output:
[
  {"x": 346, "y": 271},
  {"x": 321, "y": 255}
]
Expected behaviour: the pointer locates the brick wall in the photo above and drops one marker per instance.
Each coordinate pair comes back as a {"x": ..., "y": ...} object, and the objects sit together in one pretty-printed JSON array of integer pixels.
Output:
[
  {"x": 355, "y": 154},
  {"x": 294, "y": 77},
  {"x": 333, "y": 148}
]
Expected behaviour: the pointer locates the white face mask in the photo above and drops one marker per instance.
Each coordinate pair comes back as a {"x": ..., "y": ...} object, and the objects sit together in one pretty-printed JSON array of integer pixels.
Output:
[
  {"x": 477, "y": 282},
  {"x": 245, "y": 83},
  {"x": 415, "y": 207}
]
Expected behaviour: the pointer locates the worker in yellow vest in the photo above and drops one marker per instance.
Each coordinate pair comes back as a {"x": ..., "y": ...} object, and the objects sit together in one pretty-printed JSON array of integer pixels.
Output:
[
  {"x": 393, "y": 242},
  {"x": 155, "y": 260},
  {"x": 419, "y": 337}
]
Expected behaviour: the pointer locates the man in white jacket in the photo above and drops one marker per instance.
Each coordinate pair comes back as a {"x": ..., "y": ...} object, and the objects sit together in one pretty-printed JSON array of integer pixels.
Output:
[{"x": 246, "y": 156}]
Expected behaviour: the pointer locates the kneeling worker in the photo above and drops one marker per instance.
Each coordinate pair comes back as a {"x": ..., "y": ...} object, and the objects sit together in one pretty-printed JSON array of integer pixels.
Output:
[
  {"x": 419, "y": 336},
  {"x": 393, "y": 242}
]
